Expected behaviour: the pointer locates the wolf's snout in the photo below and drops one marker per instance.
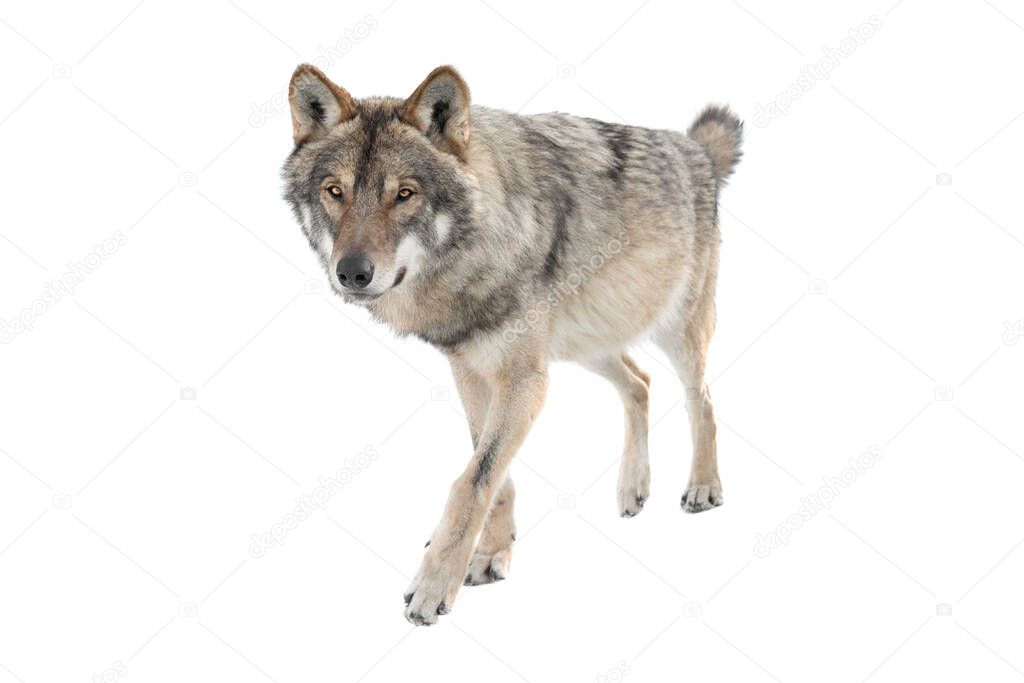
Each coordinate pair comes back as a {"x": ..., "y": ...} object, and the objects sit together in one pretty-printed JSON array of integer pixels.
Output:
[{"x": 355, "y": 271}]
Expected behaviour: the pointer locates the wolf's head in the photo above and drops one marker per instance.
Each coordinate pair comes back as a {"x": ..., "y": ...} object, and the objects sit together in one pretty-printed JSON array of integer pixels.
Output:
[{"x": 378, "y": 184}]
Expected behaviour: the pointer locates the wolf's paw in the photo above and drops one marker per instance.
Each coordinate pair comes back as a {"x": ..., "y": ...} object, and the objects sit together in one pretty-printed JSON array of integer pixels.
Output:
[
  {"x": 489, "y": 567},
  {"x": 631, "y": 502},
  {"x": 701, "y": 497},
  {"x": 431, "y": 594},
  {"x": 632, "y": 493}
]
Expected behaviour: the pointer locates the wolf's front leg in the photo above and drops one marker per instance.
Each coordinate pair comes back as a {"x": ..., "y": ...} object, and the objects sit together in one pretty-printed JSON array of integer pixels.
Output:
[
  {"x": 493, "y": 553},
  {"x": 517, "y": 393}
]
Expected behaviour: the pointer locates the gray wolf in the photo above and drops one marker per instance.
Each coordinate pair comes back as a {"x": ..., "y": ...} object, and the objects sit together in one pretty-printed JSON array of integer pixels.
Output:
[{"x": 507, "y": 242}]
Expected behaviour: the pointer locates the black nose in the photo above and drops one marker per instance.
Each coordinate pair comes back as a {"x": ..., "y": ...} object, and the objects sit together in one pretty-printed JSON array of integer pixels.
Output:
[{"x": 355, "y": 271}]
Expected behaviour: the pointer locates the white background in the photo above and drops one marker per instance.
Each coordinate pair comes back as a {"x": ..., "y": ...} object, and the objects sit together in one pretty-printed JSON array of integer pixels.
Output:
[{"x": 863, "y": 302}]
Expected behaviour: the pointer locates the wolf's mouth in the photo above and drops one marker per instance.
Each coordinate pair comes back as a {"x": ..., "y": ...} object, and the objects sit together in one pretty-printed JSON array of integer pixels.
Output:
[
  {"x": 360, "y": 296},
  {"x": 399, "y": 277}
]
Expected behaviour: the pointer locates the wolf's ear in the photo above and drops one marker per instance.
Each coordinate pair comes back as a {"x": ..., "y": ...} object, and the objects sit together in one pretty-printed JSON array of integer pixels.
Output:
[
  {"x": 317, "y": 104},
  {"x": 439, "y": 108}
]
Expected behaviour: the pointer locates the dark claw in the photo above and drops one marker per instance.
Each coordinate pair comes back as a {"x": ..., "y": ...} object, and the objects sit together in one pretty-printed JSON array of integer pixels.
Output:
[
  {"x": 408, "y": 598},
  {"x": 427, "y": 545},
  {"x": 442, "y": 608},
  {"x": 490, "y": 576}
]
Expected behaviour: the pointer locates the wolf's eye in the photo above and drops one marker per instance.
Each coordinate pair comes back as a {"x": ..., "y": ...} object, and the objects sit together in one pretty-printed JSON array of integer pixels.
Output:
[
  {"x": 335, "y": 192},
  {"x": 404, "y": 194}
]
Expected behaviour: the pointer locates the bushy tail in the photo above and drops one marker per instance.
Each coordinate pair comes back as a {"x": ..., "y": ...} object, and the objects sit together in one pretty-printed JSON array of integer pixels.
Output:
[{"x": 721, "y": 133}]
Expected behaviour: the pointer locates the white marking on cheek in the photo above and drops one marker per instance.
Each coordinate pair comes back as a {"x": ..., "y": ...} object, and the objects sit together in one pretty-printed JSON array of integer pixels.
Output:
[
  {"x": 410, "y": 254},
  {"x": 442, "y": 226},
  {"x": 326, "y": 245}
]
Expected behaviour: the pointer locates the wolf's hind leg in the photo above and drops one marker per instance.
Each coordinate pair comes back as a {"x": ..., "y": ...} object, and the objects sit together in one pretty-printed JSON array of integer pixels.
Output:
[
  {"x": 493, "y": 554},
  {"x": 634, "y": 471},
  {"x": 686, "y": 346}
]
